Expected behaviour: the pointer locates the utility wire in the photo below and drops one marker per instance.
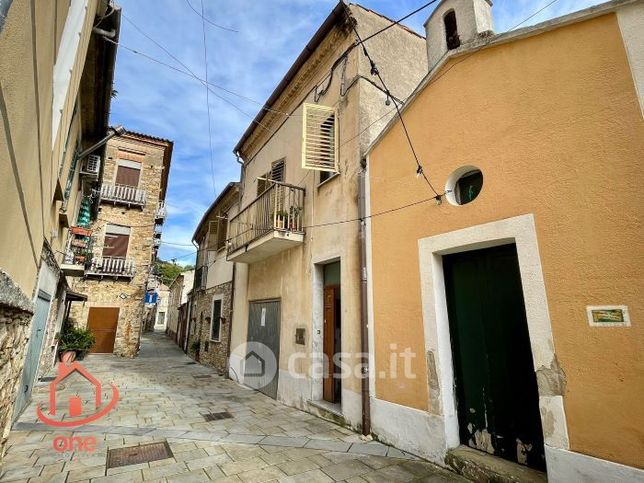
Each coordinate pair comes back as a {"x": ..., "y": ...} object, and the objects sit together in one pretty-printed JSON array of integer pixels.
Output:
[
  {"x": 192, "y": 73},
  {"x": 374, "y": 71},
  {"x": 204, "y": 19},
  {"x": 401, "y": 19},
  {"x": 205, "y": 62}
]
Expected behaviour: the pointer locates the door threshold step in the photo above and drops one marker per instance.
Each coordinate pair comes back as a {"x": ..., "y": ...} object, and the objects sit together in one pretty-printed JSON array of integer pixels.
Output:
[
  {"x": 326, "y": 410},
  {"x": 479, "y": 466}
]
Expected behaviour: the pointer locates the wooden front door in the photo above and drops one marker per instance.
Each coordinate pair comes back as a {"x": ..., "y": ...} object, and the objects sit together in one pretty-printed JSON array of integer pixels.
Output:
[
  {"x": 329, "y": 344},
  {"x": 496, "y": 386},
  {"x": 103, "y": 321}
]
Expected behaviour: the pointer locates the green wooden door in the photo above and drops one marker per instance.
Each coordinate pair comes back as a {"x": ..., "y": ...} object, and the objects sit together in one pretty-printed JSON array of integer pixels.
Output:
[{"x": 496, "y": 387}]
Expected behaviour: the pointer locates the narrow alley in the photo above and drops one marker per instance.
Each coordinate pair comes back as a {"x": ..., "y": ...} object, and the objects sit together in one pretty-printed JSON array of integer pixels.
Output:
[{"x": 165, "y": 396}]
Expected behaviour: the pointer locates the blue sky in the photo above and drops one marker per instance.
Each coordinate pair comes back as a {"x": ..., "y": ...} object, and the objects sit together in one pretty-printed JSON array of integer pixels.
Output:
[{"x": 154, "y": 99}]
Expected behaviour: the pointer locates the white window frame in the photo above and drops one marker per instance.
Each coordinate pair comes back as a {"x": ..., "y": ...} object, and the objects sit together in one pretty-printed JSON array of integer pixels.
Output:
[{"x": 215, "y": 298}]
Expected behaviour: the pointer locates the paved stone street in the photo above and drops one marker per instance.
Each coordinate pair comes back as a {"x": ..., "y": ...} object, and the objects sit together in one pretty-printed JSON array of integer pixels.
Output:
[{"x": 164, "y": 397}]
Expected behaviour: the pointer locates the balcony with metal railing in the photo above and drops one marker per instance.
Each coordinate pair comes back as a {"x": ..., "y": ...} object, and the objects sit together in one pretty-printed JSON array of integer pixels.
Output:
[
  {"x": 111, "y": 267},
  {"x": 122, "y": 194},
  {"x": 271, "y": 223}
]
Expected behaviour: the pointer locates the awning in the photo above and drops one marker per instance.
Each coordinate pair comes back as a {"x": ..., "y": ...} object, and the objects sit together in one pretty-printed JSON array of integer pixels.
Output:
[{"x": 75, "y": 296}]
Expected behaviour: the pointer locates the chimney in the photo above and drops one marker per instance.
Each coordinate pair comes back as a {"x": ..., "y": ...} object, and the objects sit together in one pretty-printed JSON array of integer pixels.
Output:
[{"x": 455, "y": 23}]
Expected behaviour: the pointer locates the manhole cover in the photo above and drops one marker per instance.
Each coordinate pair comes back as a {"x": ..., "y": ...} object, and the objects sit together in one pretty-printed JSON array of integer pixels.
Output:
[
  {"x": 138, "y": 454},
  {"x": 217, "y": 416},
  {"x": 202, "y": 376}
]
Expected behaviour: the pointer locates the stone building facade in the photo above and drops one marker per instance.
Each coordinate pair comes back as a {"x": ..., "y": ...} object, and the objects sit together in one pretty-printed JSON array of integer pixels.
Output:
[
  {"x": 16, "y": 312},
  {"x": 212, "y": 295},
  {"x": 211, "y": 351},
  {"x": 126, "y": 236}
]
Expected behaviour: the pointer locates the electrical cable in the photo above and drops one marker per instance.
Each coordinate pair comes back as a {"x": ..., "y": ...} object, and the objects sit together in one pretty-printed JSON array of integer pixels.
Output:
[
  {"x": 411, "y": 14},
  {"x": 374, "y": 71},
  {"x": 204, "y": 19},
  {"x": 192, "y": 73},
  {"x": 205, "y": 55}
]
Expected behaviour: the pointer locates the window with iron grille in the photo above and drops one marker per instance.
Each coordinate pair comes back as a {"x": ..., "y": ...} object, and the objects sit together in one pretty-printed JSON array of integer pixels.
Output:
[{"x": 319, "y": 138}]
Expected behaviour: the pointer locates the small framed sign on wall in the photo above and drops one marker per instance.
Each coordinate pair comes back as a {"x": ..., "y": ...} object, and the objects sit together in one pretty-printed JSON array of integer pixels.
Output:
[{"x": 608, "y": 316}]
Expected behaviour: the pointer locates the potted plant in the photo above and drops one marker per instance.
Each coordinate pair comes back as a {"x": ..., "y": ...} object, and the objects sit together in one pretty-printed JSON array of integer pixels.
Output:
[
  {"x": 280, "y": 219},
  {"x": 75, "y": 343},
  {"x": 294, "y": 218}
]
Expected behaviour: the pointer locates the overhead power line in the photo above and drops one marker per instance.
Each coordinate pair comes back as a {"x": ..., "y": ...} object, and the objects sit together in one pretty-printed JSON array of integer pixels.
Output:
[
  {"x": 204, "y": 19},
  {"x": 205, "y": 62},
  {"x": 191, "y": 72},
  {"x": 401, "y": 19},
  {"x": 375, "y": 72}
]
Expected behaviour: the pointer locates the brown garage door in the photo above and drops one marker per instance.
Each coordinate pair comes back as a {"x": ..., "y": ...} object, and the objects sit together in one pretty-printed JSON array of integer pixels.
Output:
[{"x": 102, "y": 321}]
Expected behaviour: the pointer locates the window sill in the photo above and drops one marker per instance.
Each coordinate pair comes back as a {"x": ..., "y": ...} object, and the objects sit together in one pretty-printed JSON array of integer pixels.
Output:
[
  {"x": 328, "y": 180},
  {"x": 218, "y": 341}
]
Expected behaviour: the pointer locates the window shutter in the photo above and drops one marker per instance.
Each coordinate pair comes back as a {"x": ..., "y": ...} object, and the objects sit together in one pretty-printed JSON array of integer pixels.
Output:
[
  {"x": 319, "y": 138},
  {"x": 277, "y": 171},
  {"x": 128, "y": 176}
]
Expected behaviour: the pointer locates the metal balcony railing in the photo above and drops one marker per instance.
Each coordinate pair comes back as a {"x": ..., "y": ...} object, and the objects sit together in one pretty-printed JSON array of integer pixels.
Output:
[
  {"x": 111, "y": 266},
  {"x": 118, "y": 193},
  {"x": 280, "y": 207},
  {"x": 162, "y": 211}
]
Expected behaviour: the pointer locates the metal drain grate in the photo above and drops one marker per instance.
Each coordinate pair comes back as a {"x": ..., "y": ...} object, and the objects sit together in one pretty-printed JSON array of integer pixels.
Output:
[
  {"x": 190, "y": 363},
  {"x": 135, "y": 455},
  {"x": 202, "y": 376},
  {"x": 217, "y": 416},
  {"x": 47, "y": 378}
]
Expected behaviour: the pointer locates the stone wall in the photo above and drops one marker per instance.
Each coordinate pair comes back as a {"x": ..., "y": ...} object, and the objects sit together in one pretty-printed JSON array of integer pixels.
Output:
[
  {"x": 211, "y": 353},
  {"x": 16, "y": 312}
]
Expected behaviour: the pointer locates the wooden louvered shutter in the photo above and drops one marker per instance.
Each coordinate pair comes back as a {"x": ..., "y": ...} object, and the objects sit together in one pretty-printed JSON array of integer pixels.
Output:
[{"x": 319, "y": 138}]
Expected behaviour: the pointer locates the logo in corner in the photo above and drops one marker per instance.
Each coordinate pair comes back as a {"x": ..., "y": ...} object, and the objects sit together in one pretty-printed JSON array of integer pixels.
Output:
[{"x": 75, "y": 402}]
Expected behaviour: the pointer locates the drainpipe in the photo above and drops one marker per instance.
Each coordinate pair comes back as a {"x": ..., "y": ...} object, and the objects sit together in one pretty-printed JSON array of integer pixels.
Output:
[
  {"x": 364, "y": 339},
  {"x": 230, "y": 322},
  {"x": 4, "y": 11}
]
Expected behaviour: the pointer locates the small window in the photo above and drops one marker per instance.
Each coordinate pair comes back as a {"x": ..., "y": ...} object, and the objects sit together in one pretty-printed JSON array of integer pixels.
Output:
[
  {"x": 215, "y": 323},
  {"x": 319, "y": 138},
  {"x": 451, "y": 31},
  {"x": 464, "y": 185}
]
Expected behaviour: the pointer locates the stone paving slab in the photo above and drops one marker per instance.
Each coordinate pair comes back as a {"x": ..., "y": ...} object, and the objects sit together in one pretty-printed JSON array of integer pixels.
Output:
[{"x": 162, "y": 401}]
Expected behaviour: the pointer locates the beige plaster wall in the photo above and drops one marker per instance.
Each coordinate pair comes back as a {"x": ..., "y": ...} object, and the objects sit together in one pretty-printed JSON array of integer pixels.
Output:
[
  {"x": 291, "y": 275},
  {"x": 28, "y": 167}
]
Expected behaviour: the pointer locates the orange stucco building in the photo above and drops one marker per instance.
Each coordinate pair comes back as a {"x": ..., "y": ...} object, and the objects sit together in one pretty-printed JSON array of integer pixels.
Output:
[{"x": 549, "y": 120}]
